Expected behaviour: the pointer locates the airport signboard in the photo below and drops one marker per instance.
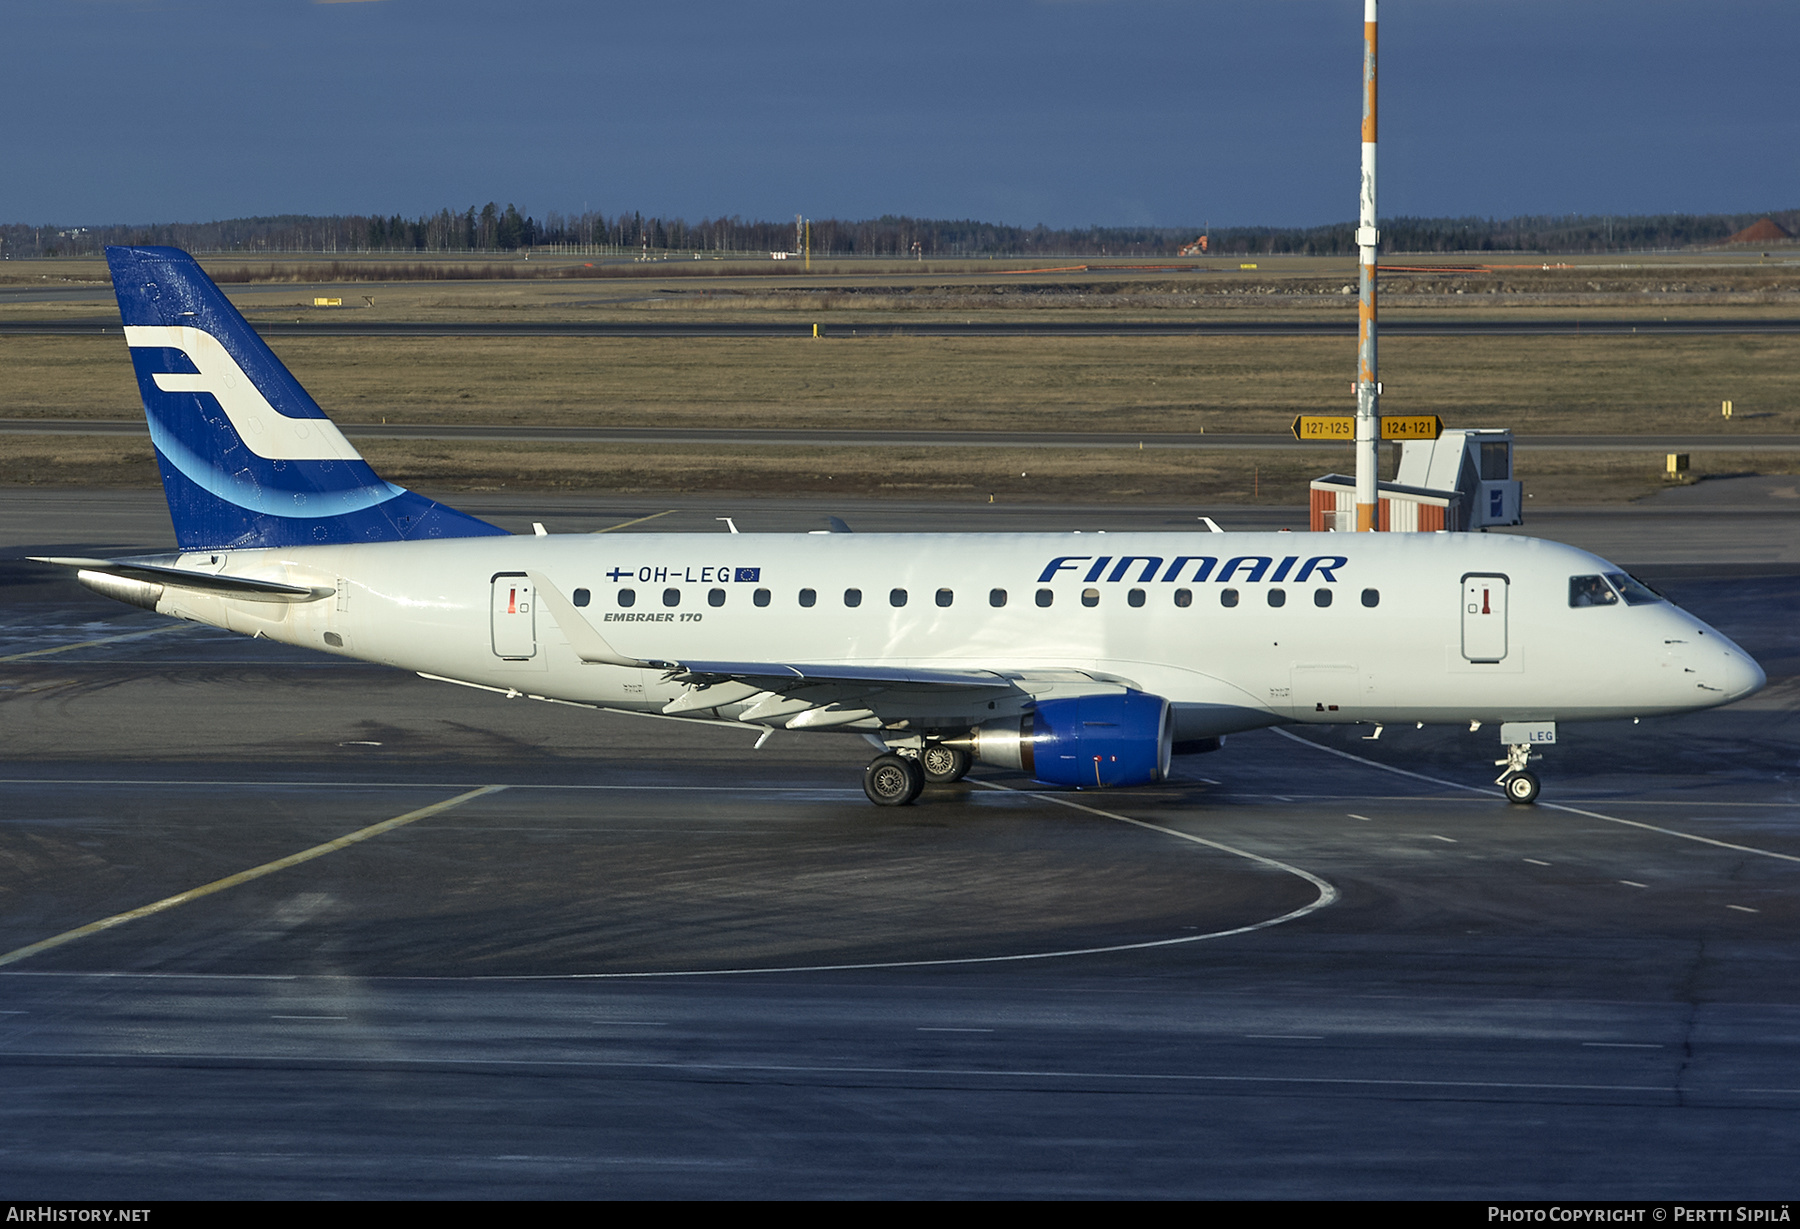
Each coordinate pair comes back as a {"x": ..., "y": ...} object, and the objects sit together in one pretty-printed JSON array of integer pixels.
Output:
[{"x": 1315, "y": 428}]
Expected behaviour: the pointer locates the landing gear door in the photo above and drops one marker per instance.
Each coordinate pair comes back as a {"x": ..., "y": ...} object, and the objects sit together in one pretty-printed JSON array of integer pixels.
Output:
[
  {"x": 513, "y": 615},
  {"x": 1484, "y": 618}
]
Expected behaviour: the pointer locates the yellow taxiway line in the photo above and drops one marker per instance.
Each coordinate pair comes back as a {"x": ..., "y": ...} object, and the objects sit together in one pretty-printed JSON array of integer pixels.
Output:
[{"x": 255, "y": 872}]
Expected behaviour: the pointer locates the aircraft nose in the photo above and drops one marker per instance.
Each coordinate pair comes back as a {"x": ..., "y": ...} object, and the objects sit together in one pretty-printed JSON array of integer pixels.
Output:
[{"x": 1739, "y": 675}]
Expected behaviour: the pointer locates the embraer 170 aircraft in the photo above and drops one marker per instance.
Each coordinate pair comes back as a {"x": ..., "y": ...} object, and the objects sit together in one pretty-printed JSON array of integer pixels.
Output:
[{"x": 1084, "y": 660}]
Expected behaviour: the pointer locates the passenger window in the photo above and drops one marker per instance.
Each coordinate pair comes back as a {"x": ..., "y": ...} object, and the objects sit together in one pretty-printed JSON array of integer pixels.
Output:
[
  {"x": 627, "y": 597},
  {"x": 715, "y": 597},
  {"x": 1135, "y": 597},
  {"x": 1371, "y": 597},
  {"x": 1184, "y": 597},
  {"x": 896, "y": 597},
  {"x": 996, "y": 597},
  {"x": 1228, "y": 597},
  {"x": 945, "y": 597},
  {"x": 1045, "y": 597},
  {"x": 1321, "y": 597},
  {"x": 808, "y": 597},
  {"x": 1277, "y": 597},
  {"x": 852, "y": 597},
  {"x": 761, "y": 597},
  {"x": 671, "y": 597},
  {"x": 1090, "y": 597},
  {"x": 582, "y": 597},
  {"x": 1591, "y": 591}
]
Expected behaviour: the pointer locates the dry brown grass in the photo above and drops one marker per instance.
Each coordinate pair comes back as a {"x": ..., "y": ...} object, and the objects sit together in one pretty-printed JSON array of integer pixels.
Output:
[
  {"x": 1195, "y": 477},
  {"x": 1536, "y": 385}
]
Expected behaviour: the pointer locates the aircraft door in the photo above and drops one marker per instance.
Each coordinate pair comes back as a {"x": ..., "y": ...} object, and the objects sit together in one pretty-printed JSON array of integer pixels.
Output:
[
  {"x": 1484, "y": 618},
  {"x": 513, "y": 617}
]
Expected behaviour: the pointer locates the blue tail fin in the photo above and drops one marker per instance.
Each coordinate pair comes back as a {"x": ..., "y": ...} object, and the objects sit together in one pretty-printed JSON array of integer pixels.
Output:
[{"x": 248, "y": 459}]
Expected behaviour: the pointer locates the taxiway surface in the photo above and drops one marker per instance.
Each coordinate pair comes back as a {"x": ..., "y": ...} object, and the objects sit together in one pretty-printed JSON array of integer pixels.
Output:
[
  {"x": 638, "y": 958},
  {"x": 346, "y": 326}
]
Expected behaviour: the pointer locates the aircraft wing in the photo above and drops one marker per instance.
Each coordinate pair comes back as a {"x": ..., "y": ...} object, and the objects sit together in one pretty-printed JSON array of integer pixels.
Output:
[
  {"x": 795, "y": 694},
  {"x": 779, "y": 674}
]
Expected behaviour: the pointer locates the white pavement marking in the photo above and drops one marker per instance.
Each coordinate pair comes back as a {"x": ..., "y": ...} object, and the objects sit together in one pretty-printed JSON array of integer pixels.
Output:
[
  {"x": 1327, "y": 894},
  {"x": 1554, "y": 806}
]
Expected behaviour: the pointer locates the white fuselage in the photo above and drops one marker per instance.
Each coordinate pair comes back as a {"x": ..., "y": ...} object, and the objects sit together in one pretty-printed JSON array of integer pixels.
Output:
[{"x": 1389, "y": 627}]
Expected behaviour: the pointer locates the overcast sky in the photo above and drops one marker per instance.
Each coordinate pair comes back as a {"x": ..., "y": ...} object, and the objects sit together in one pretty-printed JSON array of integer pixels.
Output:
[{"x": 1017, "y": 111}]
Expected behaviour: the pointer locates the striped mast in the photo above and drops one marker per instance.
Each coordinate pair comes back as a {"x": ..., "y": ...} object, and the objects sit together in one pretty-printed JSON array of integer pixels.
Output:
[{"x": 1368, "y": 388}]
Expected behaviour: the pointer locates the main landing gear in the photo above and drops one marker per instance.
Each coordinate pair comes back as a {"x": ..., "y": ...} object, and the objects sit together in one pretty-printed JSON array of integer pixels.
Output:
[
  {"x": 943, "y": 764},
  {"x": 896, "y": 778},
  {"x": 893, "y": 780},
  {"x": 1521, "y": 784}
]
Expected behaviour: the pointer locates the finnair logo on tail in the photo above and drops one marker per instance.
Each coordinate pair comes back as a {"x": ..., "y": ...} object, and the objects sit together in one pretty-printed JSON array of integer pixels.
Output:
[{"x": 263, "y": 429}]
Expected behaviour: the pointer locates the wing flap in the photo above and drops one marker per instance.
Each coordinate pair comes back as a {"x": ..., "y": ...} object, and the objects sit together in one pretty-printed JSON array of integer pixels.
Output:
[{"x": 774, "y": 675}]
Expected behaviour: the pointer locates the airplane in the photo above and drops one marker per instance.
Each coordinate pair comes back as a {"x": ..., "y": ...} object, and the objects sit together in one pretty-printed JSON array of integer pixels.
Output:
[{"x": 1083, "y": 660}]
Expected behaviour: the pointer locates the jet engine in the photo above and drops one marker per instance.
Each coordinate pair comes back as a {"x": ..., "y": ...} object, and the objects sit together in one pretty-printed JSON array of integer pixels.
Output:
[{"x": 1090, "y": 742}]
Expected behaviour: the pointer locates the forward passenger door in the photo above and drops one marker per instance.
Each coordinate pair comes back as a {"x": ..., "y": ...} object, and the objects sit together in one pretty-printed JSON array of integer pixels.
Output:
[{"x": 1484, "y": 617}]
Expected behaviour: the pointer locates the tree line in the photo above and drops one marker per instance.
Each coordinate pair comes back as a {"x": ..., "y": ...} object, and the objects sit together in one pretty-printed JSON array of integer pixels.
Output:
[{"x": 491, "y": 228}]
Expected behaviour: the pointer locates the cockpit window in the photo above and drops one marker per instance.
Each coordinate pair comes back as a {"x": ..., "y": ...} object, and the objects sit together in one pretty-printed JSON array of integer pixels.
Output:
[
  {"x": 1634, "y": 591},
  {"x": 1591, "y": 591}
]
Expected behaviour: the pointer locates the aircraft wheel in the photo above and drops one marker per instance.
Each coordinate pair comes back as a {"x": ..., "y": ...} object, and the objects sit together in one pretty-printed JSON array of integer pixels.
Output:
[
  {"x": 943, "y": 764},
  {"x": 892, "y": 780},
  {"x": 1522, "y": 787}
]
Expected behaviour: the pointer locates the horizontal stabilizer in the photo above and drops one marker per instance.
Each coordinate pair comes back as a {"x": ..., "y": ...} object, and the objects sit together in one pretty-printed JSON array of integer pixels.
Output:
[{"x": 182, "y": 578}]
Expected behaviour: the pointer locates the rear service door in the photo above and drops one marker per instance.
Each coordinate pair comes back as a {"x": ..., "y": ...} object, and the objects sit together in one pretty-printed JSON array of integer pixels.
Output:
[
  {"x": 1484, "y": 617},
  {"x": 513, "y": 617}
]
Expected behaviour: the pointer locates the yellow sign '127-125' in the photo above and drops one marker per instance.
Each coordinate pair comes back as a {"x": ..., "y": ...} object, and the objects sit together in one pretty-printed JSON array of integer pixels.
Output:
[{"x": 1393, "y": 427}]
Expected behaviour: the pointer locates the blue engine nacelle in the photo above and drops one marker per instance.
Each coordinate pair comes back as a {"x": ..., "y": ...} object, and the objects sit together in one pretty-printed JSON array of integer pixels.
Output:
[{"x": 1090, "y": 742}]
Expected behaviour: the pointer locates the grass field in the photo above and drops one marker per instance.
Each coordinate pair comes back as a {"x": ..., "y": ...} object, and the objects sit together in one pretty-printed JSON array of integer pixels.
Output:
[
  {"x": 1699, "y": 283},
  {"x": 973, "y": 476},
  {"x": 1538, "y": 386},
  {"x": 1535, "y": 385}
]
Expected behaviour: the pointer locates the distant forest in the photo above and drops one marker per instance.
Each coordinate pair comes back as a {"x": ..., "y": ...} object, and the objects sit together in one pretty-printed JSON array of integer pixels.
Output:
[{"x": 493, "y": 229}]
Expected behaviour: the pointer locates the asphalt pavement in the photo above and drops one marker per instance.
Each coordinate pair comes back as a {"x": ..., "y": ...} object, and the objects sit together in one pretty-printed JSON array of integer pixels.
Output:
[{"x": 537, "y": 951}]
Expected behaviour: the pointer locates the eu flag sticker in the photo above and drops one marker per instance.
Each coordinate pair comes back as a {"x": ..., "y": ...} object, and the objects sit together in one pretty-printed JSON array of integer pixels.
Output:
[{"x": 749, "y": 574}]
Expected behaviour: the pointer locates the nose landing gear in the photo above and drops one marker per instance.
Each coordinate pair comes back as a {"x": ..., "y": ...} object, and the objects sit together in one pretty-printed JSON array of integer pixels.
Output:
[{"x": 1521, "y": 784}]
